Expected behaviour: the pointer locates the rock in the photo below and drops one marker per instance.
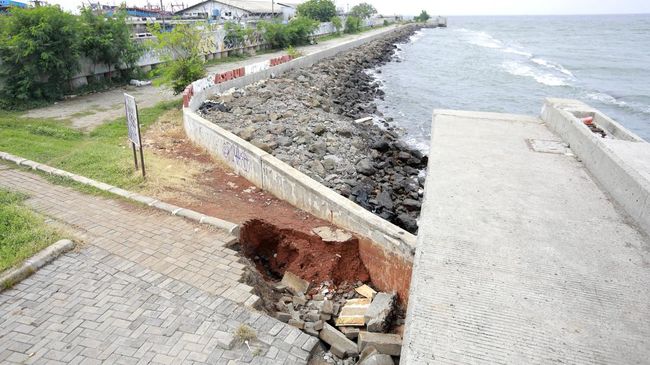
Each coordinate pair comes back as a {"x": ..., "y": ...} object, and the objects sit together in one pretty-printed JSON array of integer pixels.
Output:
[
  {"x": 318, "y": 325},
  {"x": 294, "y": 283},
  {"x": 328, "y": 307},
  {"x": 341, "y": 346},
  {"x": 384, "y": 343},
  {"x": 319, "y": 129},
  {"x": 262, "y": 145},
  {"x": 310, "y": 329},
  {"x": 411, "y": 204},
  {"x": 332, "y": 235},
  {"x": 380, "y": 311},
  {"x": 367, "y": 352},
  {"x": 365, "y": 167},
  {"x": 377, "y": 359},
  {"x": 312, "y": 317},
  {"x": 297, "y": 323},
  {"x": 385, "y": 201},
  {"x": 317, "y": 167},
  {"x": 329, "y": 164},
  {"x": 247, "y": 133},
  {"x": 381, "y": 146},
  {"x": 283, "y": 317},
  {"x": 404, "y": 156},
  {"x": 407, "y": 222}
]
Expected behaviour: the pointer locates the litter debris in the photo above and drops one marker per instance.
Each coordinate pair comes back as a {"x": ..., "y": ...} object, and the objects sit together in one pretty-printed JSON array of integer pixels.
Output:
[{"x": 139, "y": 83}]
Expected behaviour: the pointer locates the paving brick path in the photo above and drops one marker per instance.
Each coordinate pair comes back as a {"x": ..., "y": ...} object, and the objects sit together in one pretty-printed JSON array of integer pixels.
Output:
[{"x": 145, "y": 287}]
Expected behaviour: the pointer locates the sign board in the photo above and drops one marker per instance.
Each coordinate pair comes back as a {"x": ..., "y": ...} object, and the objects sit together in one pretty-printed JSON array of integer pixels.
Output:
[{"x": 132, "y": 122}]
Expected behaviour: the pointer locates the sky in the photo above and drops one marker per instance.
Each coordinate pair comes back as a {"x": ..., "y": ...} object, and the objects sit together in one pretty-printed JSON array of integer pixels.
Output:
[{"x": 455, "y": 7}]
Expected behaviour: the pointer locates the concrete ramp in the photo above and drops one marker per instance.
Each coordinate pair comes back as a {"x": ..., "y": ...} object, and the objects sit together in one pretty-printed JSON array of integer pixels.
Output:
[{"x": 521, "y": 258}]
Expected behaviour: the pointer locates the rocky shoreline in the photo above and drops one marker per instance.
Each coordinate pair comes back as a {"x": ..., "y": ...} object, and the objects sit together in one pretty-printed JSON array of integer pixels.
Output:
[{"x": 323, "y": 121}]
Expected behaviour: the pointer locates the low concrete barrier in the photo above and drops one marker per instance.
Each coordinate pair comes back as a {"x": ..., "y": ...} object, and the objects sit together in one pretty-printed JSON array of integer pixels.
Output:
[
  {"x": 620, "y": 162},
  {"x": 387, "y": 250}
]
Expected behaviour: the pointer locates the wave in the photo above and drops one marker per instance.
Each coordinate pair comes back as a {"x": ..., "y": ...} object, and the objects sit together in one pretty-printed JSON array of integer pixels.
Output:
[
  {"x": 519, "y": 69},
  {"x": 482, "y": 39},
  {"x": 606, "y": 99},
  {"x": 552, "y": 65},
  {"x": 416, "y": 36}
]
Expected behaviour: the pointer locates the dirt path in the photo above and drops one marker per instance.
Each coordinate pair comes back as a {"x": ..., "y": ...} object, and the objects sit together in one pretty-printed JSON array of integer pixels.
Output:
[{"x": 88, "y": 111}]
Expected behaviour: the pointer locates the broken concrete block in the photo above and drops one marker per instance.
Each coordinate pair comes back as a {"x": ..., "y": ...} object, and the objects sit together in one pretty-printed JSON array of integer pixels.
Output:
[
  {"x": 380, "y": 311},
  {"x": 294, "y": 283},
  {"x": 318, "y": 325},
  {"x": 377, "y": 359},
  {"x": 299, "y": 300},
  {"x": 225, "y": 340},
  {"x": 366, "y": 291},
  {"x": 318, "y": 297},
  {"x": 297, "y": 323},
  {"x": 341, "y": 346},
  {"x": 312, "y": 316},
  {"x": 283, "y": 317},
  {"x": 384, "y": 343},
  {"x": 328, "y": 307},
  {"x": 353, "y": 312},
  {"x": 332, "y": 235},
  {"x": 368, "y": 351},
  {"x": 325, "y": 317},
  {"x": 350, "y": 332},
  {"x": 310, "y": 329}
]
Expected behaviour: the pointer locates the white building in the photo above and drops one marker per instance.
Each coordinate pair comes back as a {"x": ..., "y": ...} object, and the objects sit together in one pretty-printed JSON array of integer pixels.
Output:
[{"x": 238, "y": 10}]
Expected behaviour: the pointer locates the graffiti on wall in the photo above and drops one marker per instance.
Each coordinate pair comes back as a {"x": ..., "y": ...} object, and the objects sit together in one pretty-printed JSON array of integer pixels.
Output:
[{"x": 236, "y": 155}]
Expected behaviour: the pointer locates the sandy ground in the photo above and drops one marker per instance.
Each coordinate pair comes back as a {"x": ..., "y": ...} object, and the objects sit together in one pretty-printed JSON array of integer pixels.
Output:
[{"x": 88, "y": 111}]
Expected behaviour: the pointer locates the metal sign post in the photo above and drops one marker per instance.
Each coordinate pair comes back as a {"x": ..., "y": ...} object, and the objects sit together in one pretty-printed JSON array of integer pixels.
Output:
[{"x": 133, "y": 126}]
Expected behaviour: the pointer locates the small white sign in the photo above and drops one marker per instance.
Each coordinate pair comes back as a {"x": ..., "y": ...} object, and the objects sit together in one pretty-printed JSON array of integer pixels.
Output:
[{"x": 132, "y": 122}]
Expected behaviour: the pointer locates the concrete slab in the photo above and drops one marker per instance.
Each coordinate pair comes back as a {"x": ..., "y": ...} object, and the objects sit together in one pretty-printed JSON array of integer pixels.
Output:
[{"x": 521, "y": 258}]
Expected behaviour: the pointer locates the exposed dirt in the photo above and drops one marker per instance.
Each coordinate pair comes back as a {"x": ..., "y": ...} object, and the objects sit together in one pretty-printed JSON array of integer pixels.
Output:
[
  {"x": 204, "y": 184},
  {"x": 275, "y": 250}
]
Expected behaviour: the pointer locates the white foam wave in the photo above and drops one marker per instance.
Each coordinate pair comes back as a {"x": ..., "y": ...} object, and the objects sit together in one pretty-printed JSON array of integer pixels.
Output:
[
  {"x": 416, "y": 36},
  {"x": 552, "y": 65},
  {"x": 606, "y": 98},
  {"x": 518, "y": 52},
  {"x": 483, "y": 39},
  {"x": 519, "y": 69}
]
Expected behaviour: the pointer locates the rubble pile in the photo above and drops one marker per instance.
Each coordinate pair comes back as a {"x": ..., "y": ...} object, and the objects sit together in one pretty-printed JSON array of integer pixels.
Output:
[{"x": 351, "y": 319}]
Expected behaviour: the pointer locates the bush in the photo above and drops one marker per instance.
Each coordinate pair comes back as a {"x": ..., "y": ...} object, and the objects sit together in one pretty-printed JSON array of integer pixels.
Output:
[
  {"x": 297, "y": 32},
  {"x": 320, "y": 10},
  {"x": 182, "y": 53},
  {"x": 352, "y": 24},
  {"x": 235, "y": 35},
  {"x": 337, "y": 23},
  {"x": 39, "y": 53}
]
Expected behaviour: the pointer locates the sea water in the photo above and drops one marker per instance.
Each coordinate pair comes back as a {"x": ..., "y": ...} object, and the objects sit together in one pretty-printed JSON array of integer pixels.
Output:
[{"x": 510, "y": 64}]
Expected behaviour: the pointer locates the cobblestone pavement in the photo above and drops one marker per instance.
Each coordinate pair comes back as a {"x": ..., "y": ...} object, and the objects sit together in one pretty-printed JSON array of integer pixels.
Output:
[{"x": 144, "y": 288}]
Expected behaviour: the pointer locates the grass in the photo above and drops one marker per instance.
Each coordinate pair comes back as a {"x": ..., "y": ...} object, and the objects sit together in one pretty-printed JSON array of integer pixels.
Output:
[
  {"x": 102, "y": 154},
  {"x": 244, "y": 333},
  {"x": 22, "y": 232}
]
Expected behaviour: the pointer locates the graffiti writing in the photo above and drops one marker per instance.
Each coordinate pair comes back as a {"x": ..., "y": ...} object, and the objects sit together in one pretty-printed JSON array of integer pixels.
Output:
[{"x": 236, "y": 155}]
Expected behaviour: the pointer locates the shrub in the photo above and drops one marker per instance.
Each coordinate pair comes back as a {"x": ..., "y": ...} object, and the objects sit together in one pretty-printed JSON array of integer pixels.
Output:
[
  {"x": 320, "y": 10},
  {"x": 337, "y": 23},
  {"x": 352, "y": 24},
  {"x": 39, "y": 53},
  {"x": 235, "y": 35},
  {"x": 182, "y": 53},
  {"x": 297, "y": 32}
]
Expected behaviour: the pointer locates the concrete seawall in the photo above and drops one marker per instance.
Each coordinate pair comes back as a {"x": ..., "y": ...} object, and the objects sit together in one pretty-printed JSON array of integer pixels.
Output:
[{"x": 386, "y": 249}]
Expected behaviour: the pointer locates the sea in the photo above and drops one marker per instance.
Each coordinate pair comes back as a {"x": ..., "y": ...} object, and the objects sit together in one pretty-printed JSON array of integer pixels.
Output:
[{"x": 510, "y": 64}]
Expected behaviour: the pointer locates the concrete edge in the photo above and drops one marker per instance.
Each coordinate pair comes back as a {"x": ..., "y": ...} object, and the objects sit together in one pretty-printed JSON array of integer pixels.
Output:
[
  {"x": 32, "y": 264},
  {"x": 628, "y": 188},
  {"x": 487, "y": 115},
  {"x": 192, "y": 215}
]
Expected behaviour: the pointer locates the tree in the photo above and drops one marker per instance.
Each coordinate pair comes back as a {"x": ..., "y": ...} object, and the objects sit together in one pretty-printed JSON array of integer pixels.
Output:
[
  {"x": 337, "y": 23},
  {"x": 235, "y": 35},
  {"x": 39, "y": 53},
  {"x": 108, "y": 40},
  {"x": 423, "y": 17},
  {"x": 297, "y": 32},
  {"x": 181, "y": 51},
  {"x": 363, "y": 11},
  {"x": 320, "y": 10},
  {"x": 352, "y": 24}
]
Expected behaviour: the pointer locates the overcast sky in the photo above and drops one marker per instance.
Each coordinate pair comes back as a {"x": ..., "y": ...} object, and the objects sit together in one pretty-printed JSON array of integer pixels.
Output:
[{"x": 459, "y": 7}]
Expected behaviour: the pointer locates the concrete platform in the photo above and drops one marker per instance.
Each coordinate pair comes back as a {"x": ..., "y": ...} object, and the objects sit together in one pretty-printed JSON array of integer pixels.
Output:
[{"x": 521, "y": 257}]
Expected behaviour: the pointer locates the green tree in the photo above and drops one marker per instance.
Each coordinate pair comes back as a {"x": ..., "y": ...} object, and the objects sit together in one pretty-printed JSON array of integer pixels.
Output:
[
  {"x": 363, "y": 11},
  {"x": 39, "y": 53},
  {"x": 181, "y": 51},
  {"x": 352, "y": 24},
  {"x": 337, "y": 23},
  {"x": 423, "y": 17},
  {"x": 235, "y": 35},
  {"x": 297, "y": 32},
  {"x": 108, "y": 40},
  {"x": 320, "y": 10}
]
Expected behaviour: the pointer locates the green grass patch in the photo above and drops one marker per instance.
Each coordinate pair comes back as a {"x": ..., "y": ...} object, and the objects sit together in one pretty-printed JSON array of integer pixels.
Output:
[
  {"x": 22, "y": 232},
  {"x": 102, "y": 154}
]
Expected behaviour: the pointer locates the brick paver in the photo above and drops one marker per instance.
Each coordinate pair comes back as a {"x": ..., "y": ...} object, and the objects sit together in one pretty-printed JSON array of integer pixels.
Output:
[{"x": 145, "y": 287}]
